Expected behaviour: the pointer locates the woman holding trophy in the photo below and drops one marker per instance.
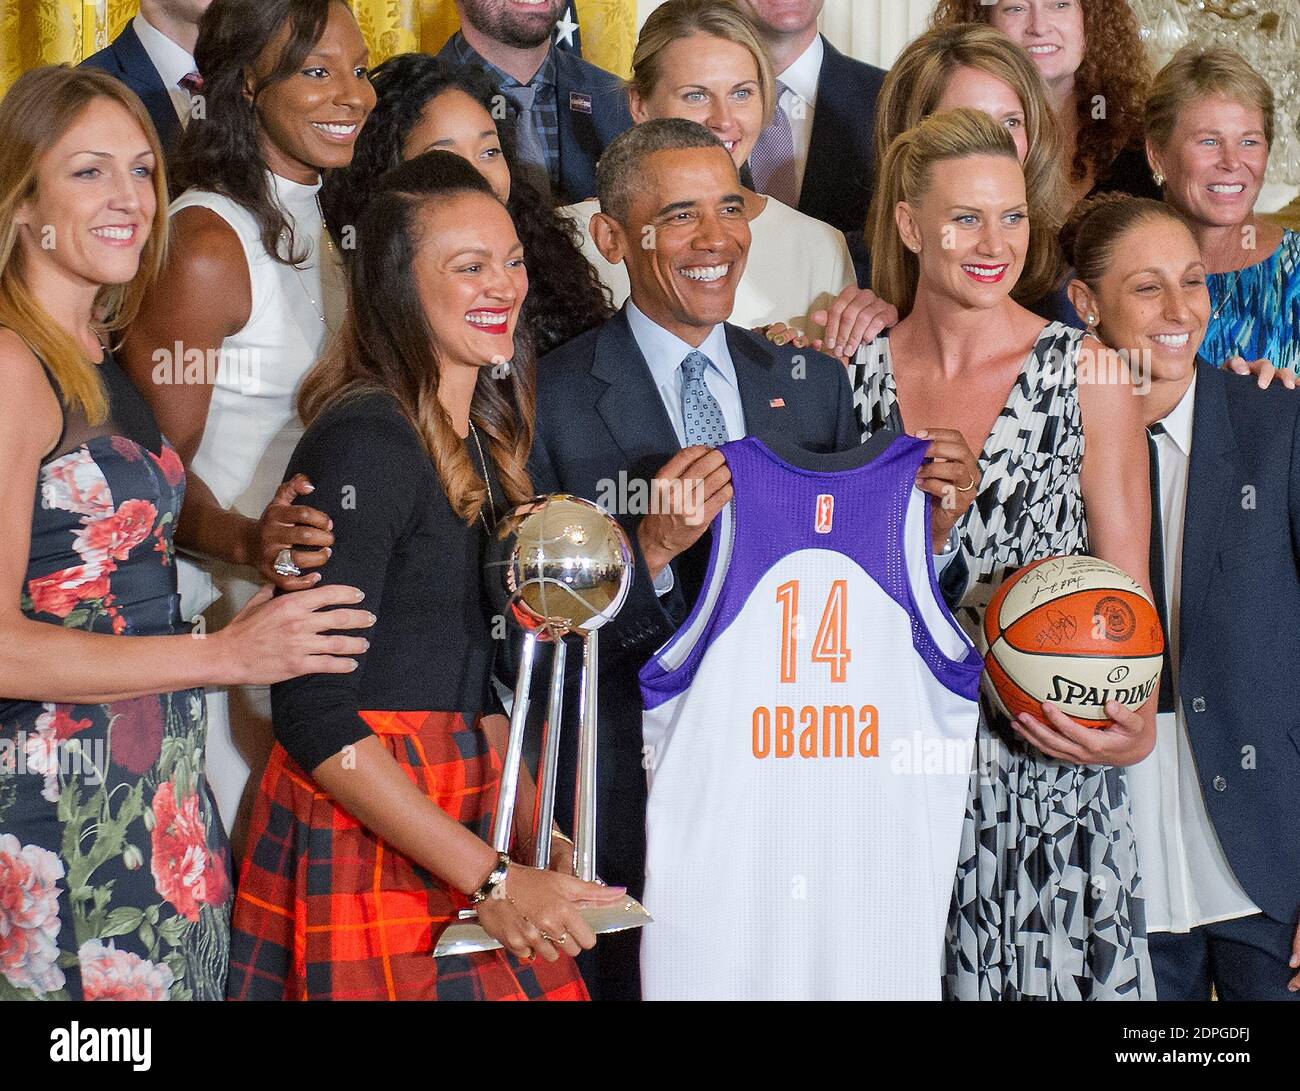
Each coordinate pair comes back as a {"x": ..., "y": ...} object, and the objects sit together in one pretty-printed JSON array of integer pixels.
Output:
[{"x": 369, "y": 832}]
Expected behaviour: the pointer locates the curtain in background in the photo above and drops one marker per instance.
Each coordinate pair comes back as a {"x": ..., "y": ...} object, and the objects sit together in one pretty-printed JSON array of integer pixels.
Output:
[
  {"x": 874, "y": 31},
  {"x": 37, "y": 32}
]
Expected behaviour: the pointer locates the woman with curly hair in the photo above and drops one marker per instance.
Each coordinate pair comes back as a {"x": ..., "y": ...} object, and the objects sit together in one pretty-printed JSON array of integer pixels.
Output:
[
  {"x": 423, "y": 104},
  {"x": 1091, "y": 55}
]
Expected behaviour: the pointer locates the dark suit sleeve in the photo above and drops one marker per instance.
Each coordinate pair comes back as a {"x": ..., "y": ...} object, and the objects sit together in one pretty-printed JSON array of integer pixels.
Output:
[{"x": 646, "y": 620}]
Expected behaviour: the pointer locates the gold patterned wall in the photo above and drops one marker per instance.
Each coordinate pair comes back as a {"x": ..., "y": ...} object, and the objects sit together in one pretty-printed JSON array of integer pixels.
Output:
[{"x": 36, "y": 32}]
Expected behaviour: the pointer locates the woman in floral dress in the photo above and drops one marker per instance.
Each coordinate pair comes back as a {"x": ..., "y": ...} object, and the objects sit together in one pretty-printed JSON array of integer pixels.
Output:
[{"x": 114, "y": 874}]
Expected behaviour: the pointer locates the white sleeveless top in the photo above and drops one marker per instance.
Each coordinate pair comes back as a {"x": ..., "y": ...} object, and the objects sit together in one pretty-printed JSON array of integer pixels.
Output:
[
  {"x": 797, "y": 265},
  {"x": 252, "y": 426}
]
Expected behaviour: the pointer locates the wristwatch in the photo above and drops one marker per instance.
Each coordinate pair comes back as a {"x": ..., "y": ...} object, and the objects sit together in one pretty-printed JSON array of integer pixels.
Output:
[{"x": 496, "y": 878}]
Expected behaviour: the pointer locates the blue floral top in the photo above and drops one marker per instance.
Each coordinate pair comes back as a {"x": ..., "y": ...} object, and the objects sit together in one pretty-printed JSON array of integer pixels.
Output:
[{"x": 1255, "y": 312}]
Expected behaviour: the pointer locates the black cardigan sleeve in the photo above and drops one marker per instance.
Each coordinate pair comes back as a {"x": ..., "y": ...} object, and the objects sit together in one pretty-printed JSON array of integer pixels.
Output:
[{"x": 359, "y": 460}]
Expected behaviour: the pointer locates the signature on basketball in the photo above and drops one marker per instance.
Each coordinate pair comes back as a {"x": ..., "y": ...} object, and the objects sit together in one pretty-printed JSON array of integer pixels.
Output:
[
  {"x": 1056, "y": 588},
  {"x": 1059, "y": 628}
]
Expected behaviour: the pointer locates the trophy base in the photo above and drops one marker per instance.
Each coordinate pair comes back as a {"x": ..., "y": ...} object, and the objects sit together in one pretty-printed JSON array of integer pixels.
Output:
[{"x": 468, "y": 937}]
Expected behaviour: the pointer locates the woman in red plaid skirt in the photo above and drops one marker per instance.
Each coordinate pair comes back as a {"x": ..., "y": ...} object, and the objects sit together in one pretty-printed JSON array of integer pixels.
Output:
[{"x": 369, "y": 830}]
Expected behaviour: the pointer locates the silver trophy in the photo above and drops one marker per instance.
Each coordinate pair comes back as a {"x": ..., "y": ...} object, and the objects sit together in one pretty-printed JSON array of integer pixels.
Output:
[{"x": 560, "y": 566}]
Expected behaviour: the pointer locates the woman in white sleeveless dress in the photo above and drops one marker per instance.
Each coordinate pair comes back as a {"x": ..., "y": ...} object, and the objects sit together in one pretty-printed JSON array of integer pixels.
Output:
[
  {"x": 250, "y": 294},
  {"x": 705, "y": 62}
]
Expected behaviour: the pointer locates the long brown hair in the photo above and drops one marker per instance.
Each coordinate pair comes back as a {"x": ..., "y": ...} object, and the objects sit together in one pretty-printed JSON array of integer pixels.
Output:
[
  {"x": 219, "y": 151},
  {"x": 39, "y": 108},
  {"x": 905, "y": 176},
  {"x": 386, "y": 343},
  {"x": 912, "y": 91},
  {"x": 1115, "y": 70}
]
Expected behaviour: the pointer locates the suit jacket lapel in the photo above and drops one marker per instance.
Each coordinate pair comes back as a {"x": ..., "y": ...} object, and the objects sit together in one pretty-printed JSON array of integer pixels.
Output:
[
  {"x": 1210, "y": 482},
  {"x": 579, "y": 145},
  {"x": 754, "y": 377},
  {"x": 630, "y": 406},
  {"x": 148, "y": 85},
  {"x": 825, "y": 142}
]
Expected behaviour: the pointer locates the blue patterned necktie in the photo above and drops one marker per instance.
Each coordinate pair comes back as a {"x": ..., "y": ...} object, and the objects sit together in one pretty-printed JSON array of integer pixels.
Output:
[
  {"x": 700, "y": 410},
  {"x": 772, "y": 160},
  {"x": 528, "y": 141}
]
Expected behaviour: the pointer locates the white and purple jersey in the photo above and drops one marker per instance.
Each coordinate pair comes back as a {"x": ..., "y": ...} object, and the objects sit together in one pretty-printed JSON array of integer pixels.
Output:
[{"x": 808, "y": 736}]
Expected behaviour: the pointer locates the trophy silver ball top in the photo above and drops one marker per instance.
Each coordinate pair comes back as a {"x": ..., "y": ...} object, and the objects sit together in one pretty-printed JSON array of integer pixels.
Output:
[{"x": 560, "y": 565}]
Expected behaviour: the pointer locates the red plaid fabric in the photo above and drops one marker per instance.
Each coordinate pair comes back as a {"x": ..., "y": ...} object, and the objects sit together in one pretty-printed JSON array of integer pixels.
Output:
[{"x": 327, "y": 911}]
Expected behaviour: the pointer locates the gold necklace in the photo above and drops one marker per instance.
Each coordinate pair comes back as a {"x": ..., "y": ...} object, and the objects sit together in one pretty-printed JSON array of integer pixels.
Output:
[
  {"x": 320, "y": 265},
  {"x": 487, "y": 480}
]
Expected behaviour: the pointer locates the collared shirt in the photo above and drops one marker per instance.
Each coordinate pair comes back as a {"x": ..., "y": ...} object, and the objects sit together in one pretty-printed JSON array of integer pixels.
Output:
[
  {"x": 545, "y": 111},
  {"x": 1186, "y": 879},
  {"x": 800, "y": 102},
  {"x": 172, "y": 61},
  {"x": 664, "y": 353}
]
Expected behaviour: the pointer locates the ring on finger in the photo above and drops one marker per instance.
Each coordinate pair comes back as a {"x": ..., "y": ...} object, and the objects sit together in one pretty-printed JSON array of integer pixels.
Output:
[
  {"x": 968, "y": 486},
  {"x": 284, "y": 565}
]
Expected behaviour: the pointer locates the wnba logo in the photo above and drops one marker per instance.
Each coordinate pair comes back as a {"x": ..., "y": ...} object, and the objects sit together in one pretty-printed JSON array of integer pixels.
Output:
[{"x": 825, "y": 513}]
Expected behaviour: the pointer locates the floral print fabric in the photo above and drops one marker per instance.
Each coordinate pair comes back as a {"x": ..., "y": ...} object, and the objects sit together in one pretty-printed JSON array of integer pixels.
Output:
[{"x": 114, "y": 874}]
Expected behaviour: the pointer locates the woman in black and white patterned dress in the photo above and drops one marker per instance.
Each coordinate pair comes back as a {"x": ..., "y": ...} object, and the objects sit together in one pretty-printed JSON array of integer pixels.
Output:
[{"x": 1047, "y": 901}]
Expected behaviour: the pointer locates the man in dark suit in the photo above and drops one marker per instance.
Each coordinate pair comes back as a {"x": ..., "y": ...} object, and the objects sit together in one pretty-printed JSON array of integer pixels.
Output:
[
  {"x": 818, "y": 152},
  {"x": 154, "y": 56},
  {"x": 628, "y": 415},
  {"x": 1215, "y": 805},
  {"x": 566, "y": 110}
]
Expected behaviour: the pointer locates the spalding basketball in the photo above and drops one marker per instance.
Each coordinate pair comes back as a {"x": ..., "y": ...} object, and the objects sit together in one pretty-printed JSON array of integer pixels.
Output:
[{"x": 1075, "y": 631}]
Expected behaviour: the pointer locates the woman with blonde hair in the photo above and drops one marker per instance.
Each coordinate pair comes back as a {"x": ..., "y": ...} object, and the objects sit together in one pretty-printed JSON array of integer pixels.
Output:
[
  {"x": 704, "y": 61},
  {"x": 1091, "y": 56},
  {"x": 114, "y": 874},
  {"x": 1209, "y": 123},
  {"x": 972, "y": 65},
  {"x": 1047, "y": 901}
]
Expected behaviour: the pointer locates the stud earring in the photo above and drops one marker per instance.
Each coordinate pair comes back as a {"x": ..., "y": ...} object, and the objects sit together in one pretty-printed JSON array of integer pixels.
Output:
[{"x": 1157, "y": 178}]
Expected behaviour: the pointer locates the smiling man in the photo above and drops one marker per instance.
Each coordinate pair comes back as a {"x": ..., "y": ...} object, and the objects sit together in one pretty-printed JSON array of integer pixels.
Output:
[{"x": 649, "y": 395}]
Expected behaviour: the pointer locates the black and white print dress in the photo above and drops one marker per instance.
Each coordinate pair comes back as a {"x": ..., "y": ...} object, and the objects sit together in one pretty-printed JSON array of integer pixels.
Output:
[{"x": 1047, "y": 902}]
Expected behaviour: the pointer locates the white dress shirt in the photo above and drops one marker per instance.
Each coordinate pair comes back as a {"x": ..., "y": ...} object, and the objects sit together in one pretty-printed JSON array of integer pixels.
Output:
[
  {"x": 1186, "y": 879},
  {"x": 664, "y": 353},
  {"x": 172, "y": 61},
  {"x": 799, "y": 102}
]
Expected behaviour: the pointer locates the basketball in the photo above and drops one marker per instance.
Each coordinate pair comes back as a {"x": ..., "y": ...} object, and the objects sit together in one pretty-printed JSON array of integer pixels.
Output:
[{"x": 1075, "y": 631}]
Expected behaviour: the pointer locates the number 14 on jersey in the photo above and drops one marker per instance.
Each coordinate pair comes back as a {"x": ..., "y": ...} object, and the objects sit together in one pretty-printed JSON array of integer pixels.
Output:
[{"x": 830, "y": 645}]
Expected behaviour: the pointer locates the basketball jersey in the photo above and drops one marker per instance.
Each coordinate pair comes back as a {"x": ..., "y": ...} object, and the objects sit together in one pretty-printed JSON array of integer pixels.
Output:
[{"x": 808, "y": 741}]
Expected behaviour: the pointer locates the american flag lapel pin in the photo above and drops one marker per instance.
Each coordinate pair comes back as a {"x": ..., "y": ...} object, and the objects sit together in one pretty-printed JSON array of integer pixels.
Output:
[
  {"x": 579, "y": 102},
  {"x": 777, "y": 403}
]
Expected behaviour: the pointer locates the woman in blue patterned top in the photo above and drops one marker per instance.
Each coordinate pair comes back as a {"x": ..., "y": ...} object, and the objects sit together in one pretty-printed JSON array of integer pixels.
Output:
[{"x": 1209, "y": 125}]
